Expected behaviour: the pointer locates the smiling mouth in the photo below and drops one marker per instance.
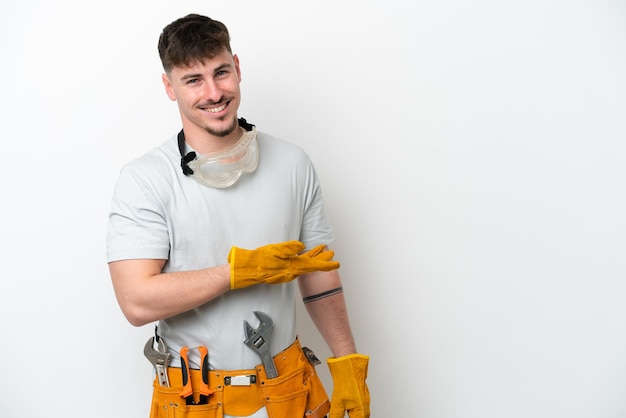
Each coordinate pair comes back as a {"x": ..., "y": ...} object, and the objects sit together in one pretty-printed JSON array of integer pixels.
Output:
[{"x": 216, "y": 109}]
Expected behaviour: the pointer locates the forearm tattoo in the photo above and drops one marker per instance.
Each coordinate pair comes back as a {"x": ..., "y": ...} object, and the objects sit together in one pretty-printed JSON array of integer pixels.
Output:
[{"x": 322, "y": 295}]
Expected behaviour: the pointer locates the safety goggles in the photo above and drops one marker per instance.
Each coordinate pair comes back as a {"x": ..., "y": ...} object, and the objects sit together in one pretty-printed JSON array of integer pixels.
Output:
[{"x": 222, "y": 169}]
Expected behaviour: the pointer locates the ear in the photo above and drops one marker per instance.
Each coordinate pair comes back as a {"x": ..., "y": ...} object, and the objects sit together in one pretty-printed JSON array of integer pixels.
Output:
[
  {"x": 237, "y": 68},
  {"x": 168, "y": 87}
]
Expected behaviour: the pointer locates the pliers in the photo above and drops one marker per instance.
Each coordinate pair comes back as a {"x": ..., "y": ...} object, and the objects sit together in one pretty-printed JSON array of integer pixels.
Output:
[{"x": 187, "y": 391}]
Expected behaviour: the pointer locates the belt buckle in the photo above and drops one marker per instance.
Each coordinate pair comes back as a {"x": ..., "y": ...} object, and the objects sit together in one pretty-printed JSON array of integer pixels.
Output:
[{"x": 241, "y": 380}]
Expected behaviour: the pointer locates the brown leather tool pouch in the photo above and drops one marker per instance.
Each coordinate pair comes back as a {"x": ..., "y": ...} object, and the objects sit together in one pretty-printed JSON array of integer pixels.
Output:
[{"x": 296, "y": 392}]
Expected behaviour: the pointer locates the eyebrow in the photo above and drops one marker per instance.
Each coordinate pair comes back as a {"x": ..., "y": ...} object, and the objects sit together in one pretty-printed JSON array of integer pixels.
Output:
[
  {"x": 190, "y": 76},
  {"x": 221, "y": 67},
  {"x": 200, "y": 75}
]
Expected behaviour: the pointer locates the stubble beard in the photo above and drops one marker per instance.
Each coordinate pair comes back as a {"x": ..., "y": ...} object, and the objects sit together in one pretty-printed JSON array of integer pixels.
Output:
[{"x": 221, "y": 133}]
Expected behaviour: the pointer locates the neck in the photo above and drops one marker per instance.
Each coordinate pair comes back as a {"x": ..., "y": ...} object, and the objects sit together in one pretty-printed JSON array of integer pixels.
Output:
[{"x": 205, "y": 142}]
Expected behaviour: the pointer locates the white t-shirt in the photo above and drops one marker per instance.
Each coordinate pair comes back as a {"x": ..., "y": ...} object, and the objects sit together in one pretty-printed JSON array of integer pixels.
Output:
[{"x": 159, "y": 213}]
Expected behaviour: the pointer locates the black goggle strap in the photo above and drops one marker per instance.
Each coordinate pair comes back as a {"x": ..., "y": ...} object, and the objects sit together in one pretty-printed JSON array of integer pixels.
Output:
[{"x": 186, "y": 159}]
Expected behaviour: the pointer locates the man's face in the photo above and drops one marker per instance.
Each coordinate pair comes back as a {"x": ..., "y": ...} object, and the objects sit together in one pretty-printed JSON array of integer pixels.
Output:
[{"x": 208, "y": 96}]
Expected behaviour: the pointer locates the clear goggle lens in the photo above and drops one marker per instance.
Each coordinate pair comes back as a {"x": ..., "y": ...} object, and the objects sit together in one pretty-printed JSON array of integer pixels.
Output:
[{"x": 223, "y": 169}]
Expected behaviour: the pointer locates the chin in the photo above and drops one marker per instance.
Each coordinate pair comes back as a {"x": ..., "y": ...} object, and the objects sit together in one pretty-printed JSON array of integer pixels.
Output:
[{"x": 223, "y": 131}]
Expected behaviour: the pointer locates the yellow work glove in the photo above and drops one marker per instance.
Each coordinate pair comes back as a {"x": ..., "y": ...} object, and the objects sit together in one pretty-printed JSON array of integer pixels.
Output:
[
  {"x": 276, "y": 263},
  {"x": 350, "y": 392}
]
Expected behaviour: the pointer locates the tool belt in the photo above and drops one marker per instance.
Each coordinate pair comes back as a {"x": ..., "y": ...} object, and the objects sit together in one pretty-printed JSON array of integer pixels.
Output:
[{"x": 296, "y": 392}]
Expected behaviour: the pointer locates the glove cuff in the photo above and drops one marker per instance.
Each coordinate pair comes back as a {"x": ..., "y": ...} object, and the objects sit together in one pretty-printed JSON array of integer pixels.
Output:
[
  {"x": 352, "y": 366},
  {"x": 231, "y": 262},
  {"x": 349, "y": 356}
]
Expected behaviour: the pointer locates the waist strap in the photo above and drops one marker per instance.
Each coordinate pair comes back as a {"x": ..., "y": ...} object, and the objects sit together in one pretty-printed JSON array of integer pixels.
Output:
[{"x": 242, "y": 392}]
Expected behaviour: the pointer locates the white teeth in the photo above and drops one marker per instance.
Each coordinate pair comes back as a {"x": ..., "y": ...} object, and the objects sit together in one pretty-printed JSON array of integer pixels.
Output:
[{"x": 216, "y": 109}]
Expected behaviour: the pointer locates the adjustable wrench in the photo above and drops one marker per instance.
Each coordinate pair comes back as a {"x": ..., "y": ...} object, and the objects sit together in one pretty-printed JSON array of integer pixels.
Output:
[
  {"x": 259, "y": 341},
  {"x": 159, "y": 358}
]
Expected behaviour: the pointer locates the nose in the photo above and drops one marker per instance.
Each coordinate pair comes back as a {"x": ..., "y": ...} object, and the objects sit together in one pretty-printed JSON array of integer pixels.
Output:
[{"x": 212, "y": 92}]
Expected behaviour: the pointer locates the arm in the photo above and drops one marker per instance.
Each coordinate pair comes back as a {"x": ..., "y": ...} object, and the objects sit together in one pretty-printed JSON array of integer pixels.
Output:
[
  {"x": 146, "y": 295},
  {"x": 326, "y": 305},
  {"x": 328, "y": 311}
]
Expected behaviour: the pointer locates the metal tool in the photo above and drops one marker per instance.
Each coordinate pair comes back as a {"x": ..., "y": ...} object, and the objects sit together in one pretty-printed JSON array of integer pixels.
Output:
[
  {"x": 159, "y": 357},
  {"x": 310, "y": 356},
  {"x": 259, "y": 341}
]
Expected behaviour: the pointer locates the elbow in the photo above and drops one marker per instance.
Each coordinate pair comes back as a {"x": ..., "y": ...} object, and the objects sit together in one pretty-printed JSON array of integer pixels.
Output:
[
  {"x": 136, "y": 316},
  {"x": 136, "y": 321},
  {"x": 131, "y": 283}
]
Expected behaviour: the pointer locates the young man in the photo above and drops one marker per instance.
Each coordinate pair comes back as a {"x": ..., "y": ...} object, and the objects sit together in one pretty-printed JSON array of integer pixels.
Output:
[{"x": 209, "y": 234}]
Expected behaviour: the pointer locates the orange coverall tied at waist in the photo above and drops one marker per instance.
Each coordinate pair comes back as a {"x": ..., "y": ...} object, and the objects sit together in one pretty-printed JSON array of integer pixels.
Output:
[{"x": 296, "y": 392}]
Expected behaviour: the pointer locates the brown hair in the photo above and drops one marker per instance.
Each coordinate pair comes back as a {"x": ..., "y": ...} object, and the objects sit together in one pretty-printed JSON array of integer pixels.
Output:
[{"x": 190, "y": 39}]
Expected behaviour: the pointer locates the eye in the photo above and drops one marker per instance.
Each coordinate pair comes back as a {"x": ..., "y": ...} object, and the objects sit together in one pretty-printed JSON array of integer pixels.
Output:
[{"x": 192, "y": 81}]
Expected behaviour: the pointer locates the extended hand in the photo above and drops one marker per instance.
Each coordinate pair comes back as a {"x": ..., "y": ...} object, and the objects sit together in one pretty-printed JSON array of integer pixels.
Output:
[{"x": 276, "y": 263}]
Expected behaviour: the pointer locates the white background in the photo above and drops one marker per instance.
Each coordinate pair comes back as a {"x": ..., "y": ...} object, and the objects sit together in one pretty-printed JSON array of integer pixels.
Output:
[{"x": 472, "y": 157}]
